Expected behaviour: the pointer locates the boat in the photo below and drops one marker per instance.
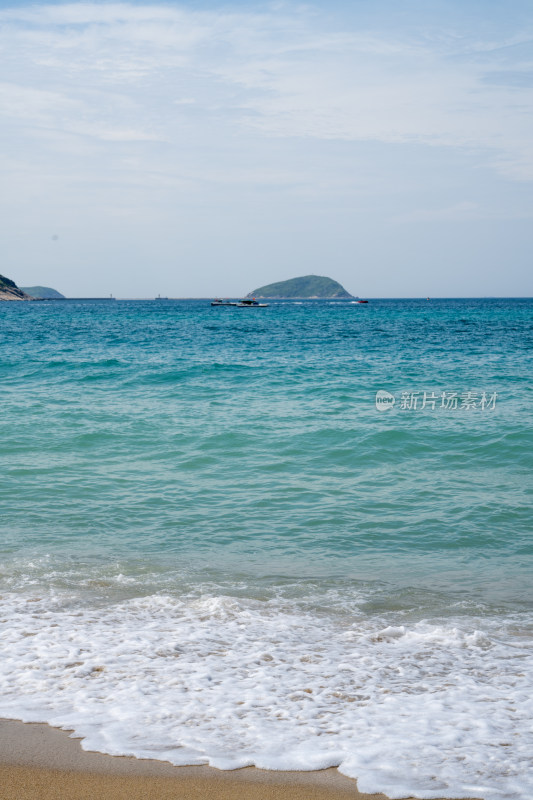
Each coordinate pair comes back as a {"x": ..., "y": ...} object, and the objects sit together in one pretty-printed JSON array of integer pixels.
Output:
[
  {"x": 253, "y": 303},
  {"x": 362, "y": 301}
]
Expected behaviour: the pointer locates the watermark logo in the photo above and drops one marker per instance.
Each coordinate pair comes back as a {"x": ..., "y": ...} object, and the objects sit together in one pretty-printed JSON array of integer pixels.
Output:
[
  {"x": 437, "y": 401},
  {"x": 384, "y": 400}
]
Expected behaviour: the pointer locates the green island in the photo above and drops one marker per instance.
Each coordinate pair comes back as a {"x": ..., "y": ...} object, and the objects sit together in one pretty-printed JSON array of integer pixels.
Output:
[
  {"x": 309, "y": 287},
  {"x": 43, "y": 292}
]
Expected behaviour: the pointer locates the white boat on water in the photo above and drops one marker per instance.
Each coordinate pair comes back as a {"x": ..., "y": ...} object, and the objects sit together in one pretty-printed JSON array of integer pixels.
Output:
[{"x": 253, "y": 303}]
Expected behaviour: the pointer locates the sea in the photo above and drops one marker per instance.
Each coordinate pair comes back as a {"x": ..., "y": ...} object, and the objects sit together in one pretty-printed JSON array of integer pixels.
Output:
[{"x": 294, "y": 537}]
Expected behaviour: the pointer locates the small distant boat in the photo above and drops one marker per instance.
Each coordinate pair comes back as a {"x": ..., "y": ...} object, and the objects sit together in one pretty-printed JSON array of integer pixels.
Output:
[
  {"x": 362, "y": 301},
  {"x": 253, "y": 303}
]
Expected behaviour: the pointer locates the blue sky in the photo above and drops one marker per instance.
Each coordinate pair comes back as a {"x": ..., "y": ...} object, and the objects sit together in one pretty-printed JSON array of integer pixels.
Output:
[{"x": 201, "y": 148}]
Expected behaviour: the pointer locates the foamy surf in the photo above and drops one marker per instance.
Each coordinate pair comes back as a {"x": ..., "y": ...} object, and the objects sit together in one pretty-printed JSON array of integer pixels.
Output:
[{"x": 429, "y": 708}]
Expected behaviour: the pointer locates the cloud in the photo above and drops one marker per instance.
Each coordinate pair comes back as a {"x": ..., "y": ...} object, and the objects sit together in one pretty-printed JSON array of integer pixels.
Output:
[
  {"x": 105, "y": 70},
  {"x": 172, "y": 95},
  {"x": 48, "y": 111},
  {"x": 464, "y": 211}
]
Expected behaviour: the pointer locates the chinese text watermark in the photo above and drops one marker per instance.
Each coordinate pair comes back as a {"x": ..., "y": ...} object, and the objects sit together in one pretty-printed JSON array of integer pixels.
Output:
[{"x": 434, "y": 401}]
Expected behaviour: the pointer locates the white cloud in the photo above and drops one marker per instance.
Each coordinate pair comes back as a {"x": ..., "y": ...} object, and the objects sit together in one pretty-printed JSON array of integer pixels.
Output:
[
  {"x": 274, "y": 73},
  {"x": 464, "y": 211}
]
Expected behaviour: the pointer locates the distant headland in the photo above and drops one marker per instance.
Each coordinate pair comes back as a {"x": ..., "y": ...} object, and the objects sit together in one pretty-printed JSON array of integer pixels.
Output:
[
  {"x": 10, "y": 291},
  {"x": 43, "y": 293},
  {"x": 309, "y": 287}
]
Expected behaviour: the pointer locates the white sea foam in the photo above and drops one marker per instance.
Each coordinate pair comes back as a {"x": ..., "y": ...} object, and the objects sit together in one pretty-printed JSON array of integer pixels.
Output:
[{"x": 430, "y": 709}]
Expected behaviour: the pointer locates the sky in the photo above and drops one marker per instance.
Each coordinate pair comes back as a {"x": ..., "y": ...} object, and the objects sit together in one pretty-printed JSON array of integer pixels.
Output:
[{"x": 197, "y": 149}]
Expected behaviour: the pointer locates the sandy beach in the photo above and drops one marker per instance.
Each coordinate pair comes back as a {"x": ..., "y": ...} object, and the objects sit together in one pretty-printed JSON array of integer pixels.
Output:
[{"x": 38, "y": 762}]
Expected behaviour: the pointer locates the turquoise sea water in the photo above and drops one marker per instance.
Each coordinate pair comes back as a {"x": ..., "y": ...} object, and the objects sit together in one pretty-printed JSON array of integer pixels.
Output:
[{"x": 205, "y": 513}]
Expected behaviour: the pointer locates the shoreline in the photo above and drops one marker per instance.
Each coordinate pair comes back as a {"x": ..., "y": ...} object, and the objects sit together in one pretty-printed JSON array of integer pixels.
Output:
[{"x": 38, "y": 762}]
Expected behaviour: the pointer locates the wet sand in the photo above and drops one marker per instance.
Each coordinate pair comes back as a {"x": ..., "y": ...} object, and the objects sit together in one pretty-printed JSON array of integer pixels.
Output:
[{"x": 38, "y": 762}]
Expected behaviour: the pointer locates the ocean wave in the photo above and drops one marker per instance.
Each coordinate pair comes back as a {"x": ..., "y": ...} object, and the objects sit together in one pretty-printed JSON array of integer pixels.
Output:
[{"x": 432, "y": 708}]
